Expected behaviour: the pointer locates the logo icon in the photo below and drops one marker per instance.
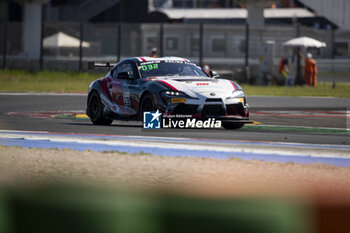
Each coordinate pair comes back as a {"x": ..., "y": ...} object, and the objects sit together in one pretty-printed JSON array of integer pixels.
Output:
[
  {"x": 152, "y": 120},
  {"x": 212, "y": 94}
]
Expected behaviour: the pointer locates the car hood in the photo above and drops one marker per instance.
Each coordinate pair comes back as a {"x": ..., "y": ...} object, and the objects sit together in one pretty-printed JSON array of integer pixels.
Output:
[{"x": 201, "y": 87}]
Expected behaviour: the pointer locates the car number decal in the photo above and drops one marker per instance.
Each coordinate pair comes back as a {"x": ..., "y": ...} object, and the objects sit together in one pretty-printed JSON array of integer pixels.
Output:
[
  {"x": 150, "y": 67},
  {"x": 126, "y": 99}
]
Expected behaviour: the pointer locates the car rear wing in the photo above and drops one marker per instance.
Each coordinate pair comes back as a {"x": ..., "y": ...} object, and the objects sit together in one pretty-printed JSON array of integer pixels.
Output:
[{"x": 92, "y": 65}]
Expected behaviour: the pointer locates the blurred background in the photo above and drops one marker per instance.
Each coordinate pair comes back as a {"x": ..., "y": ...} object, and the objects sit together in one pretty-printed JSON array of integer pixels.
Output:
[
  {"x": 231, "y": 36},
  {"x": 241, "y": 39}
]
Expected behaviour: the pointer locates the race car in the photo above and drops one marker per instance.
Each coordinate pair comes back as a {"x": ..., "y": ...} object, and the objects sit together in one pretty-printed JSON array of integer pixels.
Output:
[{"x": 170, "y": 85}]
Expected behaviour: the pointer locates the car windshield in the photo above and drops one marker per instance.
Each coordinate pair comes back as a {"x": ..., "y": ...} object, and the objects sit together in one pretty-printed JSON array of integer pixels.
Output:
[{"x": 170, "y": 68}]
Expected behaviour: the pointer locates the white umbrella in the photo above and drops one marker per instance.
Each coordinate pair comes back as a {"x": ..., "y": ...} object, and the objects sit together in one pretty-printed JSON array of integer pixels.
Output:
[
  {"x": 61, "y": 39},
  {"x": 304, "y": 42}
]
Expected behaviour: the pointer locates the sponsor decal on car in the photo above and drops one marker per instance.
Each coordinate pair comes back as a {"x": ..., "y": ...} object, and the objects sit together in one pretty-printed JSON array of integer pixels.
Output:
[
  {"x": 178, "y": 100},
  {"x": 202, "y": 84}
]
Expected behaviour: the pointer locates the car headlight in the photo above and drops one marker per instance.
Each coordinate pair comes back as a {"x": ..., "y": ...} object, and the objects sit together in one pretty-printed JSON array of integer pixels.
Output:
[
  {"x": 173, "y": 94},
  {"x": 236, "y": 94}
]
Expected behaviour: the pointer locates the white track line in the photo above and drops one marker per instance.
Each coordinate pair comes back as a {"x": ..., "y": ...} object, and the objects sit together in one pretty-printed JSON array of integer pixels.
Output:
[{"x": 236, "y": 148}]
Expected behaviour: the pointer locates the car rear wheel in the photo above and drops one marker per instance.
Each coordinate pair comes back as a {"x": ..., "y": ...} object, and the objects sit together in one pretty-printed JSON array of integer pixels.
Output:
[
  {"x": 147, "y": 105},
  {"x": 95, "y": 110},
  {"x": 231, "y": 125}
]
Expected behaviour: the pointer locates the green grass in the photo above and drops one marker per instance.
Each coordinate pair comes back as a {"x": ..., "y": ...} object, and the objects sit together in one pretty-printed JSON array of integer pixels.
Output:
[
  {"x": 338, "y": 73},
  {"x": 45, "y": 81},
  {"x": 53, "y": 81},
  {"x": 323, "y": 90}
]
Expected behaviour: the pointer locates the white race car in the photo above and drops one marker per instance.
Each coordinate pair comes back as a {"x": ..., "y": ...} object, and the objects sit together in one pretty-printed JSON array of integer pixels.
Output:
[{"x": 171, "y": 85}]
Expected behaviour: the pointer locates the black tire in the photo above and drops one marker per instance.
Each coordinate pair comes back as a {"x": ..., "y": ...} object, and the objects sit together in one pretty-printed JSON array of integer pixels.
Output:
[
  {"x": 147, "y": 105},
  {"x": 95, "y": 110},
  {"x": 231, "y": 125}
]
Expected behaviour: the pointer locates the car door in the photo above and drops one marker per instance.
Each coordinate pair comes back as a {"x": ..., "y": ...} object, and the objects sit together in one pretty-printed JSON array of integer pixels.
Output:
[{"x": 122, "y": 90}]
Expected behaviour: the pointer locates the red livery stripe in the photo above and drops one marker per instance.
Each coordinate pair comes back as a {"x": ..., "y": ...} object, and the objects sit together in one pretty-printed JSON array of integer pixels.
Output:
[
  {"x": 142, "y": 59},
  {"x": 234, "y": 85},
  {"x": 169, "y": 85}
]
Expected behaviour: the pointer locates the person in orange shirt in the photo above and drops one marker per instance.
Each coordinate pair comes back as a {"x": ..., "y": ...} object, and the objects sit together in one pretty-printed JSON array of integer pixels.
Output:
[
  {"x": 310, "y": 70},
  {"x": 206, "y": 69}
]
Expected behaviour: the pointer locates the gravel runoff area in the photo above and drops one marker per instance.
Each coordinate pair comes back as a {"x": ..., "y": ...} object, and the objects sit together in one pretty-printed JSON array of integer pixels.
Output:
[{"x": 182, "y": 175}]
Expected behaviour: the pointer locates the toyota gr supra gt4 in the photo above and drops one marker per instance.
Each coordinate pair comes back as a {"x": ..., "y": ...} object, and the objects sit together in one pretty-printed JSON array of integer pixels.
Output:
[{"x": 170, "y": 85}]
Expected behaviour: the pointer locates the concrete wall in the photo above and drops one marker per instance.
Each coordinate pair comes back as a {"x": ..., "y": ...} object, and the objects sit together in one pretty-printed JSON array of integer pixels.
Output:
[{"x": 32, "y": 30}]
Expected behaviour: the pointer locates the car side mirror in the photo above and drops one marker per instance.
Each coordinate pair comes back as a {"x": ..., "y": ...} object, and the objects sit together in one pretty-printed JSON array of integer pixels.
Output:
[
  {"x": 124, "y": 75},
  {"x": 214, "y": 74}
]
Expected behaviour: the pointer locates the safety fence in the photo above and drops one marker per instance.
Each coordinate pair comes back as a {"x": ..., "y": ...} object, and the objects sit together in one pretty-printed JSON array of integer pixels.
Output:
[{"x": 69, "y": 46}]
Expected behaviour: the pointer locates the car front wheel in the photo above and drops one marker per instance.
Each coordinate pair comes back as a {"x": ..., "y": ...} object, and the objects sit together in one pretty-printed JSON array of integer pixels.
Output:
[
  {"x": 147, "y": 105},
  {"x": 95, "y": 110}
]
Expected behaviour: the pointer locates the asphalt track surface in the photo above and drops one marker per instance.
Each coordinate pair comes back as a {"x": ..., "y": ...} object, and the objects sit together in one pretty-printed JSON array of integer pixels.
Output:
[{"x": 26, "y": 103}]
